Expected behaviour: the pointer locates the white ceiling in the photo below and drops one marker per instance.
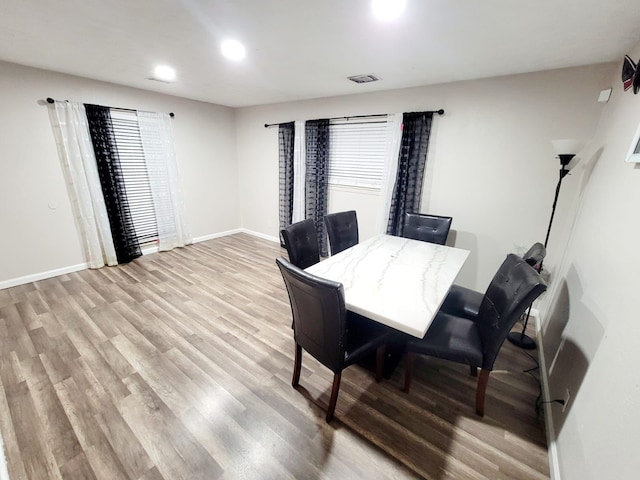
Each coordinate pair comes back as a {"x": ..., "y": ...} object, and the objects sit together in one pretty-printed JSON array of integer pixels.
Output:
[{"x": 299, "y": 49}]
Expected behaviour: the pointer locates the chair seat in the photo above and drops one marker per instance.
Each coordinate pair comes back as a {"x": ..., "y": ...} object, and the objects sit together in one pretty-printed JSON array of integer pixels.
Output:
[
  {"x": 451, "y": 338},
  {"x": 462, "y": 302},
  {"x": 363, "y": 336}
]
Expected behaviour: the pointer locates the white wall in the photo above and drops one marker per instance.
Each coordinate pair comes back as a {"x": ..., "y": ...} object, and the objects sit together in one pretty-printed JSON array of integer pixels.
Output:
[
  {"x": 591, "y": 329},
  {"x": 37, "y": 228},
  {"x": 490, "y": 165}
]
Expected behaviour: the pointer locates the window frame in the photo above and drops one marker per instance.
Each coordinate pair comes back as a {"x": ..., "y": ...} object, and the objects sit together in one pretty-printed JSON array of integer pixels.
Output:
[
  {"x": 133, "y": 165},
  {"x": 348, "y": 135},
  {"x": 633, "y": 156}
]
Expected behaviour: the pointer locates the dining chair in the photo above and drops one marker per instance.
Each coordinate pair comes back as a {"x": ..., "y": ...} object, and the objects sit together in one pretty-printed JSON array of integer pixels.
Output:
[
  {"x": 477, "y": 341},
  {"x": 427, "y": 228},
  {"x": 325, "y": 329},
  {"x": 301, "y": 242},
  {"x": 465, "y": 302},
  {"x": 342, "y": 229}
]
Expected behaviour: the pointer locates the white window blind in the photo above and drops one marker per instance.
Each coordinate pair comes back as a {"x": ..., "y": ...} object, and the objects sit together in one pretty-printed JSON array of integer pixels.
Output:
[
  {"x": 356, "y": 152},
  {"x": 134, "y": 171}
]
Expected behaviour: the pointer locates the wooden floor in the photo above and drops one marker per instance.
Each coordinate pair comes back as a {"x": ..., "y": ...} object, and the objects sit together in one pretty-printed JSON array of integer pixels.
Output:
[{"x": 178, "y": 366}]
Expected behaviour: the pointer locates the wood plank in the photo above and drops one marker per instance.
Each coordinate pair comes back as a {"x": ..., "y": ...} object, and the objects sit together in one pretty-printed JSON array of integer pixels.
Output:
[
  {"x": 100, "y": 454},
  {"x": 37, "y": 458},
  {"x": 57, "y": 431},
  {"x": 178, "y": 365},
  {"x": 12, "y": 451},
  {"x": 78, "y": 468},
  {"x": 173, "y": 449}
]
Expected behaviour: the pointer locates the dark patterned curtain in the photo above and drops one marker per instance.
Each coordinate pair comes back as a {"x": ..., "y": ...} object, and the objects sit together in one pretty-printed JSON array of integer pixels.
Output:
[
  {"x": 317, "y": 146},
  {"x": 407, "y": 191},
  {"x": 286, "y": 141},
  {"x": 115, "y": 196}
]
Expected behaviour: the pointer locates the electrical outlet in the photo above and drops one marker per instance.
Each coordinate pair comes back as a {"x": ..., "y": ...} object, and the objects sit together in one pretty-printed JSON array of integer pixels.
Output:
[{"x": 567, "y": 397}]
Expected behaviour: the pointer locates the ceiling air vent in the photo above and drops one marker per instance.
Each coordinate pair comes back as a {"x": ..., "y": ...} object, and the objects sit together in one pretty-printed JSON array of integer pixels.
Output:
[{"x": 370, "y": 77}]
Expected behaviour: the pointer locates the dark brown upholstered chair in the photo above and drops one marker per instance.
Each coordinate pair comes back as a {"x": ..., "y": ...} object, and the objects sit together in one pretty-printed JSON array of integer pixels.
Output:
[
  {"x": 464, "y": 302},
  {"x": 342, "y": 229},
  {"x": 301, "y": 242},
  {"x": 427, "y": 228},
  {"x": 477, "y": 341},
  {"x": 325, "y": 329}
]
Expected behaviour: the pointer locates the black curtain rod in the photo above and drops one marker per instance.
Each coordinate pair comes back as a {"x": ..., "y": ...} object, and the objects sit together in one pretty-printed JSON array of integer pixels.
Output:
[
  {"x": 439, "y": 112},
  {"x": 51, "y": 100}
]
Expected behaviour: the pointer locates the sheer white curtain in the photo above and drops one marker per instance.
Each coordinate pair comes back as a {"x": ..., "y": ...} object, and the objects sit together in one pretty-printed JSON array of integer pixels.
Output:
[
  {"x": 71, "y": 131},
  {"x": 299, "y": 172},
  {"x": 164, "y": 179},
  {"x": 392, "y": 150}
]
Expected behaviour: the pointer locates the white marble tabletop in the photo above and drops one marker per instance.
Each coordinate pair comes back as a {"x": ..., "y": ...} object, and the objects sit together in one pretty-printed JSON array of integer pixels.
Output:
[{"x": 396, "y": 281}]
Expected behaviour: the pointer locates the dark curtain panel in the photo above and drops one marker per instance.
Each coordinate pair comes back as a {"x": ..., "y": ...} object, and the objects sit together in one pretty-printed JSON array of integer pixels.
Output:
[
  {"x": 115, "y": 196},
  {"x": 285, "y": 141},
  {"x": 317, "y": 146},
  {"x": 416, "y": 128}
]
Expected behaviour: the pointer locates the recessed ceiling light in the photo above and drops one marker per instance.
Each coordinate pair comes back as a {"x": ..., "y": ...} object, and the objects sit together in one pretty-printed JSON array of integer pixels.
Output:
[
  {"x": 233, "y": 50},
  {"x": 387, "y": 10},
  {"x": 165, "y": 73}
]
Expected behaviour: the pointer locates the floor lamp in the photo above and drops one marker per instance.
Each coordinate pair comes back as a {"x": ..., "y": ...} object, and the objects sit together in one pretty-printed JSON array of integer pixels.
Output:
[{"x": 566, "y": 150}]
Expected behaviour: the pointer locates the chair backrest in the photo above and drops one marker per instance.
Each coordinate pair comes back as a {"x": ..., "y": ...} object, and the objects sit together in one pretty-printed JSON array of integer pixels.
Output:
[
  {"x": 301, "y": 242},
  {"x": 513, "y": 289},
  {"x": 428, "y": 228},
  {"x": 342, "y": 229},
  {"x": 319, "y": 314},
  {"x": 535, "y": 255}
]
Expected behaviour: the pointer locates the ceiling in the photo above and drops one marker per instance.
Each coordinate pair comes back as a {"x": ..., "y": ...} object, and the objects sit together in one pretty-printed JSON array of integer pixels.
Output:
[{"x": 300, "y": 49}]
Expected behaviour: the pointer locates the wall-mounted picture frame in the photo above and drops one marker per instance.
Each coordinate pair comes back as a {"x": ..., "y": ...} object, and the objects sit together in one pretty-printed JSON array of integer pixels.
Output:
[{"x": 634, "y": 149}]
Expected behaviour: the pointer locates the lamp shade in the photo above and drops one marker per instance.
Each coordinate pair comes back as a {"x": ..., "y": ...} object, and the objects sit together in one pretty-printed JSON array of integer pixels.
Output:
[{"x": 567, "y": 148}]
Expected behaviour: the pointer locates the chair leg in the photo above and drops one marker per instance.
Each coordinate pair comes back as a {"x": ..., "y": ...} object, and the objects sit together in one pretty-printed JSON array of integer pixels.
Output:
[
  {"x": 483, "y": 379},
  {"x": 297, "y": 366},
  {"x": 408, "y": 371},
  {"x": 380, "y": 353},
  {"x": 334, "y": 396},
  {"x": 473, "y": 371}
]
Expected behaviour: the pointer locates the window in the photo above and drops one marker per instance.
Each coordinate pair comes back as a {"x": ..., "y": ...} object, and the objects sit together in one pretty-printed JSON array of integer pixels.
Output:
[
  {"x": 634, "y": 150},
  {"x": 356, "y": 152},
  {"x": 134, "y": 171}
]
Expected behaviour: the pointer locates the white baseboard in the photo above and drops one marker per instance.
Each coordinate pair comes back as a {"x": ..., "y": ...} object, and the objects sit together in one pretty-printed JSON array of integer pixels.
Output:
[
  {"x": 260, "y": 235},
  {"x": 204, "y": 238},
  {"x": 552, "y": 448},
  {"x": 13, "y": 282}
]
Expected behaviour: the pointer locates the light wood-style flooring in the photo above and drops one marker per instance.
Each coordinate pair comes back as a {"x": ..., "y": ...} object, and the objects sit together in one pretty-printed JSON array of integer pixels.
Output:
[{"x": 178, "y": 366}]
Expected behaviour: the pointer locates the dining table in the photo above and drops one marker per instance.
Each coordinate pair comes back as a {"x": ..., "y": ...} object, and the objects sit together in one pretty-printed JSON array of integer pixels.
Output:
[{"x": 398, "y": 282}]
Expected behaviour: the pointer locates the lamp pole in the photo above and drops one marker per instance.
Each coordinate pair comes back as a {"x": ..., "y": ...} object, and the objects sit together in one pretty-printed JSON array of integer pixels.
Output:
[
  {"x": 564, "y": 161},
  {"x": 523, "y": 340}
]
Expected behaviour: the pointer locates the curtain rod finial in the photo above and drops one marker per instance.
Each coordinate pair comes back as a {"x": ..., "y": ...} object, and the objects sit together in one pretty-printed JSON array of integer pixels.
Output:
[
  {"x": 172, "y": 114},
  {"x": 440, "y": 112},
  {"x": 50, "y": 100}
]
